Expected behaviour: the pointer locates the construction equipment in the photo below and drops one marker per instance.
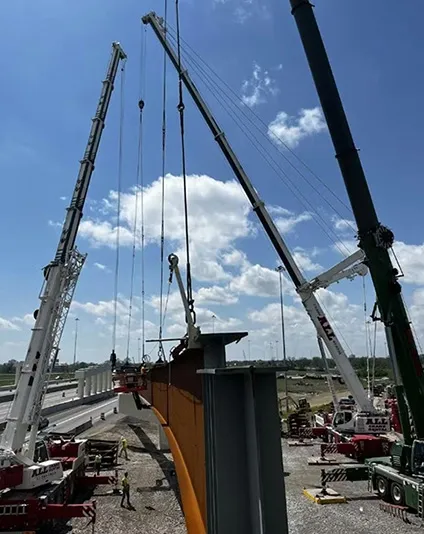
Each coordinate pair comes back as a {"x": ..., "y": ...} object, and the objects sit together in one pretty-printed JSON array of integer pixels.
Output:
[
  {"x": 298, "y": 419},
  {"x": 398, "y": 477},
  {"x": 26, "y": 485},
  {"x": 367, "y": 419}
]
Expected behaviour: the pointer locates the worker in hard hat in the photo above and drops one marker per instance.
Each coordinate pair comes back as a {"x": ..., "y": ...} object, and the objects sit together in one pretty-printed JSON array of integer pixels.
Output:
[
  {"x": 125, "y": 491},
  {"x": 97, "y": 463},
  {"x": 124, "y": 448}
]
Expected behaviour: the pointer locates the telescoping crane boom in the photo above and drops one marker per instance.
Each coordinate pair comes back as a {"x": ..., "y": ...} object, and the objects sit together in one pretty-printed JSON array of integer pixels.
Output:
[
  {"x": 60, "y": 278},
  {"x": 369, "y": 420}
]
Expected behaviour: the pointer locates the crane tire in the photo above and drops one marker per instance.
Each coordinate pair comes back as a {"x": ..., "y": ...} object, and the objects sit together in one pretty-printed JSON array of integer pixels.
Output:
[
  {"x": 382, "y": 486},
  {"x": 397, "y": 494}
]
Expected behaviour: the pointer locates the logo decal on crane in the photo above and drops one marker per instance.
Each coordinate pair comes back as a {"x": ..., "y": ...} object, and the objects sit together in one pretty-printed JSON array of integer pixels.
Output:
[{"x": 326, "y": 327}]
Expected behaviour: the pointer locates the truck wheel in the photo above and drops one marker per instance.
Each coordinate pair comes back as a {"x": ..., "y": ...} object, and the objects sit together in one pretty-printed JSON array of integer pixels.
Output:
[
  {"x": 396, "y": 492},
  {"x": 382, "y": 486}
]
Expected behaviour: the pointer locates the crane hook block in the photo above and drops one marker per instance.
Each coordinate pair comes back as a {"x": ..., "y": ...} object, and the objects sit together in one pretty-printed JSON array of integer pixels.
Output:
[
  {"x": 173, "y": 260},
  {"x": 141, "y": 104}
]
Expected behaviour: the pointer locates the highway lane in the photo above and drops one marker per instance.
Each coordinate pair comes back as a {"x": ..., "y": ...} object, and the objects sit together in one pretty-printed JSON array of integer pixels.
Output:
[
  {"x": 69, "y": 419},
  {"x": 50, "y": 400},
  {"x": 52, "y": 383}
]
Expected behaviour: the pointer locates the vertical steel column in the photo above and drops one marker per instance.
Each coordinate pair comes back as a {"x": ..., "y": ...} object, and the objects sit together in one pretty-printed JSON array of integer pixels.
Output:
[{"x": 244, "y": 467}]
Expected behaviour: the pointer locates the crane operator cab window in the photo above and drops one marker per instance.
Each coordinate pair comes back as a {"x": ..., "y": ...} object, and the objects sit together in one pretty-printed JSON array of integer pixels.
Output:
[
  {"x": 418, "y": 457},
  {"x": 342, "y": 417}
]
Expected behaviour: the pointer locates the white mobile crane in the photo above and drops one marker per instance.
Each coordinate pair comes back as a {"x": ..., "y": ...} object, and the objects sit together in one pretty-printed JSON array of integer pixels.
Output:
[
  {"x": 367, "y": 420},
  {"x": 60, "y": 278}
]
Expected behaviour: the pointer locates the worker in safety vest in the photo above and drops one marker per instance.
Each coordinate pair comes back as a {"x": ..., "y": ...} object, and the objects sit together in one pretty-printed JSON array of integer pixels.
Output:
[
  {"x": 97, "y": 463},
  {"x": 124, "y": 447},
  {"x": 143, "y": 372},
  {"x": 125, "y": 490}
]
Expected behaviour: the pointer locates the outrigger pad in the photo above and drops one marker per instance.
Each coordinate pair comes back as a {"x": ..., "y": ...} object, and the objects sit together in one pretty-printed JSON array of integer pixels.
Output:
[{"x": 324, "y": 496}]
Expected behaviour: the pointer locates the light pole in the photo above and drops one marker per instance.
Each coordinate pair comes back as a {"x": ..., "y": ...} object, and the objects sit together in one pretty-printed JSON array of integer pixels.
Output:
[
  {"x": 213, "y": 324},
  {"x": 280, "y": 269},
  {"x": 248, "y": 349},
  {"x": 75, "y": 341},
  {"x": 139, "y": 349}
]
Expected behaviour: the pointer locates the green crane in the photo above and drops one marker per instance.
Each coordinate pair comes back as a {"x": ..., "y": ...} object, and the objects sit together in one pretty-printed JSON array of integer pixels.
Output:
[{"x": 375, "y": 240}]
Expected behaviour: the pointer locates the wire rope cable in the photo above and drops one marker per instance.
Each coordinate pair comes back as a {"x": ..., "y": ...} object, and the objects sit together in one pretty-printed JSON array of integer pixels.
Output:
[{"x": 118, "y": 207}]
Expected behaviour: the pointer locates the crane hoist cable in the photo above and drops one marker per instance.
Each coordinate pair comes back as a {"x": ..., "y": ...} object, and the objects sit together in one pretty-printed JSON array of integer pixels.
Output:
[
  {"x": 244, "y": 123},
  {"x": 191, "y": 53},
  {"x": 161, "y": 353},
  {"x": 181, "y": 108},
  {"x": 138, "y": 192},
  {"x": 141, "y": 181},
  {"x": 118, "y": 207}
]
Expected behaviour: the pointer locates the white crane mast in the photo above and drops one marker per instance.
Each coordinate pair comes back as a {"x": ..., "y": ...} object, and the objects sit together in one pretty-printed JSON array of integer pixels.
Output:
[
  {"x": 306, "y": 290},
  {"x": 56, "y": 295}
]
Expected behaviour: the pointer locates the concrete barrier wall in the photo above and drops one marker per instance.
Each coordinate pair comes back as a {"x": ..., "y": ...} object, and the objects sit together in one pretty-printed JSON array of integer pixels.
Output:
[{"x": 51, "y": 389}]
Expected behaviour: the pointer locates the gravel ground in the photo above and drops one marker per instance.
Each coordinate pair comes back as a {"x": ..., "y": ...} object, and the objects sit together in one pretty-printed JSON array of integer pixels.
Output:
[
  {"x": 155, "y": 497},
  {"x": 360, "y": 515},
  {"x": 154, "y": 491}
]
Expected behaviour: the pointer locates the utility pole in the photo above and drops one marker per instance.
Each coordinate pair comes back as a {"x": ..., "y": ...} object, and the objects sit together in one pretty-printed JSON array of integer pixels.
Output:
[
  {"x": 280, "y": 269},
  {"x": 248, "y": 349},
  {"x": 75, "y": 341}
]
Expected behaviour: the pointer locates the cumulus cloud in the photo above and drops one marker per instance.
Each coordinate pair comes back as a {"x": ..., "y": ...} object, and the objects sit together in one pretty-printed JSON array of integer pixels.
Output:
[
  {"x": 290, "y": 131},
  {"x": 344, "y": 225},
  {"x": 218, "y": 217},
  {"x": 255, "y": 90},
  {"x": 5, "y": 324}
]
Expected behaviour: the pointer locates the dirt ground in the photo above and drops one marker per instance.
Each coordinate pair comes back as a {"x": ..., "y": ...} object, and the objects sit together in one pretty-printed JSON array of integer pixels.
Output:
[
  {"x": 155, "y": 497},
  {"x": 360, "y": 515},
  {"x": 315, "y": 391},
  {"x": 153, "y": 487}
]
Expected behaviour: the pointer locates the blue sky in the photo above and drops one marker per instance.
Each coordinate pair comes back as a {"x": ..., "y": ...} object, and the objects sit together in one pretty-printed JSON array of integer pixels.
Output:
[{"x": 57, "y": 56}]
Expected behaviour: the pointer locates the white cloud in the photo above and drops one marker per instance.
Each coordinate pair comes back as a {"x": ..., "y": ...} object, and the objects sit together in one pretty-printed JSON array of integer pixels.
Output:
[
  {"x": 344, "y": 225},
  {"x": 215, "y": 295},
  {"x": 256, "y": 89},
  {"x": 5, "y": 324},
  {"x": 244, "y": 10},
  {"x": 218, "y": 216},
  {"x": 411, "y": 259},
  {"x": 291, "y": 130},
  {"x": 63, "y": 198},
  {"x": 27, "y": 319},
  {"x": 101, "y": 267},
  {"x": 55, "y": 224},
  {"x": 305, "y": 262},
  {"x": 287, "y": 224},
  {"x": 103, "y": 308},
  {"x": 259, "y": 281}
]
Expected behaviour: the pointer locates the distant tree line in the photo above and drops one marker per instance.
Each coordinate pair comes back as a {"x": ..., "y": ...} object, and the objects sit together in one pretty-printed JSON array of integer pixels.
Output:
[{"x": 382, "y": 366}]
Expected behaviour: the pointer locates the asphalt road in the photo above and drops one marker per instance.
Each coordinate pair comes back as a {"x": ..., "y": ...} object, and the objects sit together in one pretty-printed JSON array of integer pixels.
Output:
[
  {"x": 69, "y": 419},
  {"x": 50, "y": 400},
  {"x": 52, "y": 383}
]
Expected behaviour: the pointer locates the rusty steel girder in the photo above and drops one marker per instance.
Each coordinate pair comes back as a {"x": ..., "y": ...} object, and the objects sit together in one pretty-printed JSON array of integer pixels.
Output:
[{"x": 175, "y": 394}]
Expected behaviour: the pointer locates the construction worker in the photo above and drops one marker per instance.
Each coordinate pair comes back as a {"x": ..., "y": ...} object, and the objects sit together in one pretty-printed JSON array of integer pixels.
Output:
[
  {"x": 113, "y": 360},
  {"x": 143, "y": 372},
  {"x": 124, "y": 447},
  {"x": 97, "y": 463},
  {"x": 125, "y": 490}
]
